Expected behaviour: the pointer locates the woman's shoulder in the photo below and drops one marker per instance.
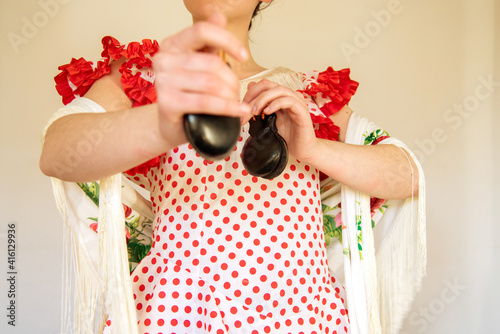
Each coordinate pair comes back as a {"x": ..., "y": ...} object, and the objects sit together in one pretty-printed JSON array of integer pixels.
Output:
[
  {"x": 76, "y": 77},
  {"x": 312, "y": 82},
  {"x": 330, "y": 89},
  {"x": 280, "y": 75}
]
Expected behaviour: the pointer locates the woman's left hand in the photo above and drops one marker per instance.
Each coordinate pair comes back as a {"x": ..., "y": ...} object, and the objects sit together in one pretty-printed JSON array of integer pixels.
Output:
[{"x": 293, "y": 119}]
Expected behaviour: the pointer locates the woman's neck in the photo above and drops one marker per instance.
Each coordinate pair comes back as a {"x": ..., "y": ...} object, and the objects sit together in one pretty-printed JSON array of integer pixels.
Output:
[
  {"x": 246, "y": 69},
  {"x": 250, "y": 66}
]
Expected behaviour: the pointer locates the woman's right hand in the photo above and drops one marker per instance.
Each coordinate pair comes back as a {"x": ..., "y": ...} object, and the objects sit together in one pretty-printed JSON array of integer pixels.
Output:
[{"x": 189, "y": 80}]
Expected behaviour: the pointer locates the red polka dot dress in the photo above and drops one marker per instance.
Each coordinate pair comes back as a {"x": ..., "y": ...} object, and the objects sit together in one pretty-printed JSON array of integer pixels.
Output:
[{"x": 231, "y": 253}]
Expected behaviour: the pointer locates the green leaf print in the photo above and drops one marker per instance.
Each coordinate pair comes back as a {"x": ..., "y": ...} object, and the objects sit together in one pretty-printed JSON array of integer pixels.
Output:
[
  {"x": 330, "y": 229},
  {"x": 360, "y": 235},
  {"x": 138, "y": 244},
  {"x": 370, "y": 138},
  {"x": 137, "y": 250},
  {"x": 91, "y": 189}
]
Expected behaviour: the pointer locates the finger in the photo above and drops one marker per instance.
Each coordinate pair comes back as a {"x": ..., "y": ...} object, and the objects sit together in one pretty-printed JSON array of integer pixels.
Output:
[
  {"x": 200, "y": 63},
  {"x": 266, "y": 97},
  {"x": 245, "y": 118},
  {"x": 219, "y": 20},
  {"x": 205, "y": 34},
  {"x": 254, "y": 89},
  {"x": 195, "y": 103},
  {"x": 290, "y": 104},
  {"x": 206, "y": 83}
]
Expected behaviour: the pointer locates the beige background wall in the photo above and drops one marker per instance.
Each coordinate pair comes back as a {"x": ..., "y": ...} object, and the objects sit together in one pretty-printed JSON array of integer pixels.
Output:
[{"x": 416, "y": 69}]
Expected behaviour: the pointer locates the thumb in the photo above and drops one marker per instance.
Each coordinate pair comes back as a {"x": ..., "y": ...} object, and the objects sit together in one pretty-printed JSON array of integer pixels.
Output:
[{"x": 218, "y": 19}]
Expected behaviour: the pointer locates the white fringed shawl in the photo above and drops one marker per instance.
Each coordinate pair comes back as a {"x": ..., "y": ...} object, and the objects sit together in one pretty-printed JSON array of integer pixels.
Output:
[
  {"x": 382, "y": 282},
  {"x": 380, "y": 287},
  {"x": 96, "y": 276}
]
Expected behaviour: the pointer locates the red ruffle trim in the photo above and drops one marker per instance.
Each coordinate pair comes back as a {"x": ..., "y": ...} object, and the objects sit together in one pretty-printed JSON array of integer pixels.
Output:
[
  {"x": 144, "y": 168},
  {"x": 336, "y": 86},
  {"x": 325, "y": 128},
  {"x": 331, "y": 90},
  {"x": 76, "y": 78},
  {"x": 81, "y": 74}
]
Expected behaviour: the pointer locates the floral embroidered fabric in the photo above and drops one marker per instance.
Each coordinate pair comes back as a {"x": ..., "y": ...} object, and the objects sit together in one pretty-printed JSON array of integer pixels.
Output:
[{"x": 332, "y": 214}]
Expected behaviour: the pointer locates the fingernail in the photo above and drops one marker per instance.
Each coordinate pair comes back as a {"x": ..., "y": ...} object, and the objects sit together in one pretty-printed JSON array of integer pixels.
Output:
[{"x": 254, "y": 110}]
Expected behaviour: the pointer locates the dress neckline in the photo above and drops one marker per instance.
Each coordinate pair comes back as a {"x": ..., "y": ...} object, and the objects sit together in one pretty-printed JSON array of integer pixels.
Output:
[{"x": 256, "y": 75}]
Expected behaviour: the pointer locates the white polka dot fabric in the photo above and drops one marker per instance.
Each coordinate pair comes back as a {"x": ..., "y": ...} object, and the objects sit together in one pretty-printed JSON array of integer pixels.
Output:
[{"x": 233, "y": 253}]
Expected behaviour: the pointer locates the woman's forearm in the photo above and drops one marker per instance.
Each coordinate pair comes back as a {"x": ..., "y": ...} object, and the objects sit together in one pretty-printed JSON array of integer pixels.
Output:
[
  {"x": 381, "y": 171},
  {"x": 86, "y": 147}
]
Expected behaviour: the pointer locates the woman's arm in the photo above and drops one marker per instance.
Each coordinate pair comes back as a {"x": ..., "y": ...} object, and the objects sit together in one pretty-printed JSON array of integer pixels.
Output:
[
  {"x": 87, "y": 147},
  {"x": 383, "y": 171}
]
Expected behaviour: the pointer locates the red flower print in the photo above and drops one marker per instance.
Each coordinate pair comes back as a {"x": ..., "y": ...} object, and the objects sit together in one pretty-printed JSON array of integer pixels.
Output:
[
  {"x": 94, "y": 226},
  {"x": 375, "y": 204},
  {"x": 127, "y": 210}
]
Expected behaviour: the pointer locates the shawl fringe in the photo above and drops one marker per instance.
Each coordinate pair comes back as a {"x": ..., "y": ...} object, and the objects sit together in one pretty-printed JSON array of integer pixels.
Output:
[
  {"x": 381, "y": 286},
  {"x": 402, "y": 258}
]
